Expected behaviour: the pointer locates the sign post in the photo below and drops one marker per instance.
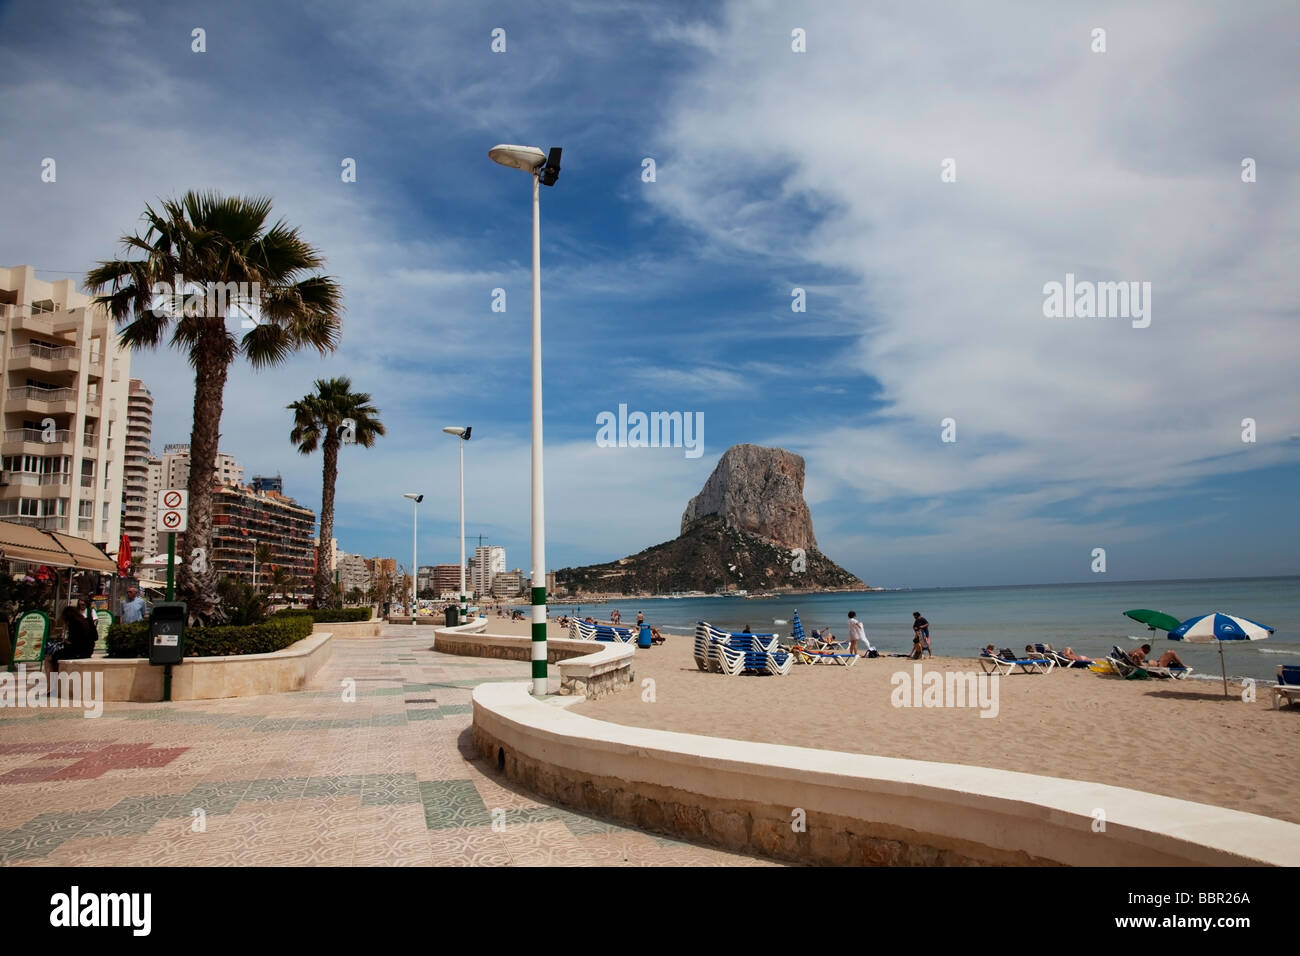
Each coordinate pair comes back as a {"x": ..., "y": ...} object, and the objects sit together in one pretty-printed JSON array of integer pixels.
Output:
[{"x": 173, "y": 517}]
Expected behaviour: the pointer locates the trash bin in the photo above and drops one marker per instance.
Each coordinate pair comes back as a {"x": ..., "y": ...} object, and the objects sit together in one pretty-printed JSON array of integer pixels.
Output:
[
  {"x": 643, "y": 638},
  {"x": 452, "y": 615}
]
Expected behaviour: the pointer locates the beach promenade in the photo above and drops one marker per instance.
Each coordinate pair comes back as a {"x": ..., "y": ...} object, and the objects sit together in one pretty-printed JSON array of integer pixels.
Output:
[{"x": 298, "y": 779}]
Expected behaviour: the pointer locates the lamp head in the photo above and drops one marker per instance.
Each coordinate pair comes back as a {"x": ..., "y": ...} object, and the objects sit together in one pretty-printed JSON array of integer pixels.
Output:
[
  {"x": 414, "y": 497},
  {"x": 458, "y": 431},
  {"x": 551, "y": 171},
  {"x": 527, "y": 158}
]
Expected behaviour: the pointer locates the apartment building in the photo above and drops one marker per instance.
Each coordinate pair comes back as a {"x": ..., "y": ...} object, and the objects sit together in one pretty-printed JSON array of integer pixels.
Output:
[
  {"x": 446, "y": 579},
  {"x": 242, "y": 518},
  {"x": 507, "y": 584},
  {"x": 64, "y": 405},
  {"x": 353, "y": 573}
]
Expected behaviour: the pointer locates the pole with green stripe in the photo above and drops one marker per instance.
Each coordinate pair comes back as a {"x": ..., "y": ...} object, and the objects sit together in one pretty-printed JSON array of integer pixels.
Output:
[{"x": 539, "y": 505}]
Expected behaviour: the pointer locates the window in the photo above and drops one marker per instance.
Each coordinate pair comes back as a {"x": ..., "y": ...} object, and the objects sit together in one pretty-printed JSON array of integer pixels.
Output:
[{"x": 86, "y": 509}]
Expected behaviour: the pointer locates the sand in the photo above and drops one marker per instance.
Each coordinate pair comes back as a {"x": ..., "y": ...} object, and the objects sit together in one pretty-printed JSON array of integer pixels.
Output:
[{"x": 1177, "y": 738}]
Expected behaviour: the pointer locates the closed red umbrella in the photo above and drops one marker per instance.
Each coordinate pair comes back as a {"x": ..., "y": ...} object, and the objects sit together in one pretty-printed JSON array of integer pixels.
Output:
[{"x": 124, "y": 557}]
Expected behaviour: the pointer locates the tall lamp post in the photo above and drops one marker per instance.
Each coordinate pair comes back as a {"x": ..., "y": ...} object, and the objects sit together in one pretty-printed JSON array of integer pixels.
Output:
[
  {"x": 463, "y": 435},
  {"x": 415, "y": 525},
  {"x": 544, "y": 169}
]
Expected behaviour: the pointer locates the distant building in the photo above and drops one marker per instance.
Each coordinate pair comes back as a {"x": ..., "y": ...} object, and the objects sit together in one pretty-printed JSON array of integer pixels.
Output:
[
  {"x": 176, "y": 468},
  {"x": 446, "y": 579},
  {"x": 267, "y": 483},
  {"x": 506, "y": 584},
  {"x": 63, "y": 402},
  {"x": 489, "y": 561},
  {"x": 353, "y": 573}
]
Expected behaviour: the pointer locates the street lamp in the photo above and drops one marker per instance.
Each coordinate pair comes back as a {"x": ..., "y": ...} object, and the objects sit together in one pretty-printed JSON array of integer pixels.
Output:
[
  {"x": 463, "y": 435},
  {"x": 415, "y": 524},
  {"x": 544, "y": 170}
]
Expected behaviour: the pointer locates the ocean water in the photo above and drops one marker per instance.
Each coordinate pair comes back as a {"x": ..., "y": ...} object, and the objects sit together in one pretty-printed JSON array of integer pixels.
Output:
[{"x": 1088, "y": 617}]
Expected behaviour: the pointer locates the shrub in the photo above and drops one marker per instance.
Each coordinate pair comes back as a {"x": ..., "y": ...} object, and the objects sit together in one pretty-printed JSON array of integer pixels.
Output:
[
  {"x": 328, "y": 615},
  {"x": 274, "y": 634}
]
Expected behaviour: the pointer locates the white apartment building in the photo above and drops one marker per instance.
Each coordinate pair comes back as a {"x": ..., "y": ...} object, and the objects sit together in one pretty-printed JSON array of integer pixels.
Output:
[
  {"x": 352, "y": 572},
  {"x": 139, "y": 508},
  {"x": 489, "y": 561},
  {"x": 64, "y": 405}
]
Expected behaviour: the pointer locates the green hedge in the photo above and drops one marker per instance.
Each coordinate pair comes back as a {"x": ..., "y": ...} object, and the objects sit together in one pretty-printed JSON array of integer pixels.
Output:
[
  {"x": 275, "y": 634},
  {"x": 328, "y": 615}
]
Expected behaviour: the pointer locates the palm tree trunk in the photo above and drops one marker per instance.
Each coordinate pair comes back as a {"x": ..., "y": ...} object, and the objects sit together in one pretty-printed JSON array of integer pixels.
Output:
[
  {"x": 325, "y": 553},
  {"x": 199, "y": 589}
]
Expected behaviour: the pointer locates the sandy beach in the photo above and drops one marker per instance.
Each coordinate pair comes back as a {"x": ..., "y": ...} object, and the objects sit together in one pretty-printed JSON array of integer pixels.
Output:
[{"x": 1177, "y": 738}]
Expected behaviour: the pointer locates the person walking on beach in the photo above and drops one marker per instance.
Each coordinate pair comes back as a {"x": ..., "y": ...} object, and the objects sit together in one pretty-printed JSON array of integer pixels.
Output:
[
  {"x": 921, "y": 629},
  {"x": 640, "y": 618},
  {"x": 856, "y": 633}
]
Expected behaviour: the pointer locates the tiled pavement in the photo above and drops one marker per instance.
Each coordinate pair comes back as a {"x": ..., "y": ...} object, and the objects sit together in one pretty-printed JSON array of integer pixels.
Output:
[{"x": 297, "y": 779}]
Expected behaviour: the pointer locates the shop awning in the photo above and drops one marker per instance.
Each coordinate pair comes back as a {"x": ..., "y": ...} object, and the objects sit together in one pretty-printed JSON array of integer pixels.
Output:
[
  {"x": 87, "y": 556},
  {"x": 20, "y": 542}
]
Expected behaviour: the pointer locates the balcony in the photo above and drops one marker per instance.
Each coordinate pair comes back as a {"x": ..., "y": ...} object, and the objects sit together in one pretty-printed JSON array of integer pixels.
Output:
[
  {"x": 44, "y": 358},
  {"x": 117, "y": 371},
  {"x": 44, "y": 401},
  {"x": 31, "y": 441},
  {"x": 42, "y": 320},
  {"x": 88, "y": 481},
  {"x": 49, "y": 523}
]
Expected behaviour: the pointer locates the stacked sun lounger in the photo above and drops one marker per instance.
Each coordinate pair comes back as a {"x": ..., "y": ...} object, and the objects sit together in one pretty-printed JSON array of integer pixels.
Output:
[
  {"x": 582, "y": 631},
  {"x": 737, "y": 653}
]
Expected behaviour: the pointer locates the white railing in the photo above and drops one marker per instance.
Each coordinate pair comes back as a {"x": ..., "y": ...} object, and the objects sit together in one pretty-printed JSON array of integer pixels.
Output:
[
  {"x": 35, "y": 350},
  {"x": 32, "y": 393},
  {"x": 49, "y": 523},
  {"x": 59, "y": 479},
  {"x": 36, "y": 435}
]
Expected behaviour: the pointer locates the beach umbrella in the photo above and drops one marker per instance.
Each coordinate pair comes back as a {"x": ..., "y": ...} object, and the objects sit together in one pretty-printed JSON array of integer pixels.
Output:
[
  {"x": 1218, "y": 628},
  {"x": 797, "y": 629},
  {"x": 1155, "y": 620}
]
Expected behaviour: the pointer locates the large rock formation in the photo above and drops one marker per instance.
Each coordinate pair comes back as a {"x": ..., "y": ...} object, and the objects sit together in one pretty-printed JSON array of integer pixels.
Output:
[
  {"x": 748, "y": 529},
  {"x": 758, "y": 490}
]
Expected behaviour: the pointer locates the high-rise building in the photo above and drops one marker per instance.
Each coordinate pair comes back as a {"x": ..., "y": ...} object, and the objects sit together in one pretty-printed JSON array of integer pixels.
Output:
[
  {"x": 489, "y": 560},
  {"x": 63, "y": 402},
  {"x": 243, "y": 518},
  {"x": 137, "y": 505},
  {"x": 424, "y": 578}
]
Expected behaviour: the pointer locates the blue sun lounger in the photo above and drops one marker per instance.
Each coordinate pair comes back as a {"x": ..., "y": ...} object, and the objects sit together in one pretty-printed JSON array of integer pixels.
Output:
[{"x": 996, "y": 664}]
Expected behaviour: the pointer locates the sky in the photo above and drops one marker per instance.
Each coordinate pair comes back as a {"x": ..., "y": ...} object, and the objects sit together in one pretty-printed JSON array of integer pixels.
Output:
[{"x": 826, "y": 227}]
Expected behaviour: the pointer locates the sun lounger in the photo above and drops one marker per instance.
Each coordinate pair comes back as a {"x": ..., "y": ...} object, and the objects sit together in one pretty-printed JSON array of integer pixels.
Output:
[
  {"x": 1060, "y": 659},
  {"x": 1127, "y": 667},
  {"x": 994, "y": 664},
  {"x": 1288, "y": 685}
]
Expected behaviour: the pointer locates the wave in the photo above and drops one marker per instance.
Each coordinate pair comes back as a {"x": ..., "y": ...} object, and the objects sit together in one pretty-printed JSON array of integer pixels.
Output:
[
  {"x": 1277, "y": 650},
  {"x": 778, "y": 620}
]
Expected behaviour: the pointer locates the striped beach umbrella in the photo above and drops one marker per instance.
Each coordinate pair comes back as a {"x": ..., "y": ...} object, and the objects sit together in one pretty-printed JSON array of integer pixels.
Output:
[
  {"x": 797, "y": 629},
  {"x": 1219, "y": 628}
]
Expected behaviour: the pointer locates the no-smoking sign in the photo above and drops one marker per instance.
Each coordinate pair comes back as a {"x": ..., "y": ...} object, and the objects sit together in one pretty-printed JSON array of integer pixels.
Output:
[{"x": 173, "y": 509}]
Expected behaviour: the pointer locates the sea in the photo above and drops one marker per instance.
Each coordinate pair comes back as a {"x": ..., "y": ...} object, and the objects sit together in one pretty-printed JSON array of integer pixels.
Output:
[{"x": 1087, "y": 617}]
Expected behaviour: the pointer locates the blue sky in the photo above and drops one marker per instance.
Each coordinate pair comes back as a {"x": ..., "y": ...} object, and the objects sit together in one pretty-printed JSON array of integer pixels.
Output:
[{"x": 775, "y": 170}]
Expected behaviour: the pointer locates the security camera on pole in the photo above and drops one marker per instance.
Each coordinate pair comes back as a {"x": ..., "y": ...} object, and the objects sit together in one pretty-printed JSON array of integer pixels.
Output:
[{"x": 463, "y": 435}]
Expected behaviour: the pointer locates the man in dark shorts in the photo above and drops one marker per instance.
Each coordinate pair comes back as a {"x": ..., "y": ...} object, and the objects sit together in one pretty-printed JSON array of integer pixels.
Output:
[{"x": 921, "y": 629}]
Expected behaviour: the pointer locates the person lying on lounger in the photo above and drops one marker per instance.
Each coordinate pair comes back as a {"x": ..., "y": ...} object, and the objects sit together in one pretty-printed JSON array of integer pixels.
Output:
[
  {"x": 1167, "y": 659},
  {"x": 1069, "y": 655}
]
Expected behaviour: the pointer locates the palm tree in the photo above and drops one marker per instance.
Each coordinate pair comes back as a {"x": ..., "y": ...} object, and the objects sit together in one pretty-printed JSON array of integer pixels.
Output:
[
  {"x": 318, "y": 419},
  {"x": 263, "y": 553},
  {"x": 217, "y": 243}
]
